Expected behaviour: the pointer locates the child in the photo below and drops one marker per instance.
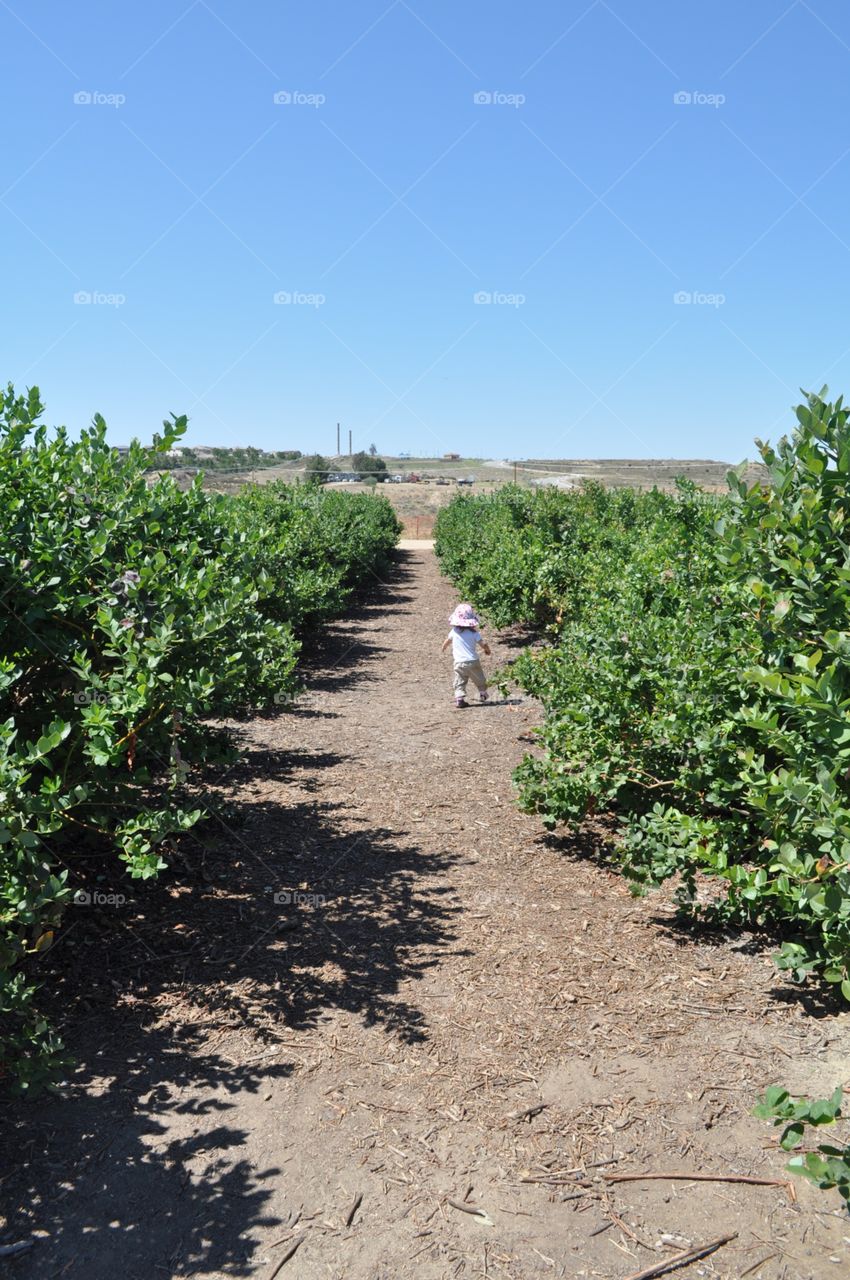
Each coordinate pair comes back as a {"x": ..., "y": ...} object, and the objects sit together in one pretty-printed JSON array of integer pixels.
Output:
[{"x": 464, "y": 637}]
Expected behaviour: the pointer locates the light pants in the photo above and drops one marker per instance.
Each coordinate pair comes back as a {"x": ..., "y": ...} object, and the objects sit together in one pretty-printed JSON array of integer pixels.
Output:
[{"x": 469, "y": 671}]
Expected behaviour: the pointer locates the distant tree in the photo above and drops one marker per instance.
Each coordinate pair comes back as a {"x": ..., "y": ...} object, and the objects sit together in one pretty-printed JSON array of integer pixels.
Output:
[
  {"x": 368, "y": 466},
  {"x": 373, "y": 449},
  {"x": 317, "y": 470}
]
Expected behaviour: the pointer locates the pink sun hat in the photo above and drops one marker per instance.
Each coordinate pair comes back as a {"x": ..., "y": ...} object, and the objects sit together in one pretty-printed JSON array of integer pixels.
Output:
[{"x": 464, "y": 616}]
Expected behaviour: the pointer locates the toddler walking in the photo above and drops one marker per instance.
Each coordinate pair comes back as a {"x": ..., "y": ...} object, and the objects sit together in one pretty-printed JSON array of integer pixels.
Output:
[{"x": 465, "y": 637}]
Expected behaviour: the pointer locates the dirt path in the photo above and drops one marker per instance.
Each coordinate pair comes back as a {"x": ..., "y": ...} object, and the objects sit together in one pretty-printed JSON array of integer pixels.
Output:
[{"x": 268, "y": 1063}]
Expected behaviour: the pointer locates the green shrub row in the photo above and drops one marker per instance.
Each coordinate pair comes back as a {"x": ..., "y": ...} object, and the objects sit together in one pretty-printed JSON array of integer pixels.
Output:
[
  {"x": 131, "y": 616},
  {"x": 695, "y": 678}
]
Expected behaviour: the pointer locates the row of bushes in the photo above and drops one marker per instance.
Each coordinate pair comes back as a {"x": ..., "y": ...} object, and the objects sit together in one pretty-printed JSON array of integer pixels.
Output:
[
  {"x": 132, "y": 615},
  {"x": 695, "y": 678}
]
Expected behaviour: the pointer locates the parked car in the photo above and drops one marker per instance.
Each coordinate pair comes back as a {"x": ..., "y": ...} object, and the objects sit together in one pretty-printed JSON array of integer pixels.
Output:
[{"x": 468, "y": 480}]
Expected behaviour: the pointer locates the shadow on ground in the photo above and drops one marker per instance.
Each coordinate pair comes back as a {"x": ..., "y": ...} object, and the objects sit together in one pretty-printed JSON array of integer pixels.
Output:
[
  {"x": 593, "y": 842},
  {"x": 287, "y": 923},
  {"x": 818, "y": 1001},
  {"x": 520, "y": 636},
  {"x": 270, "y": 918},
  {"x": 494, "y": 702},
  {"x": 97, "y": 1157}
]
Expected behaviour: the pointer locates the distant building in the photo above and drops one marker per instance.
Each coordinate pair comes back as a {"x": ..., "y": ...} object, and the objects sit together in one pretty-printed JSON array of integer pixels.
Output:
[{"x": 451, "y": 457}]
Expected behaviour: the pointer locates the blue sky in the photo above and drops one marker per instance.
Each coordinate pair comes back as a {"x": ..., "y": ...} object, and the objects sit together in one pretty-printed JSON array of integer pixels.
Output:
[{"x": 381, "y": 198}]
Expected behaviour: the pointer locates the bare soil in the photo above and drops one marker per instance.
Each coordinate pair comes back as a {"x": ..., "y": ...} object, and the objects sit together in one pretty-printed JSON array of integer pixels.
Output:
[{"x": 458, "y": 1012}]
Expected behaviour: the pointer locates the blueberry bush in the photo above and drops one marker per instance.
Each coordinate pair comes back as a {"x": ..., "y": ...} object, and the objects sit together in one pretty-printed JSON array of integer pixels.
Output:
[
  {"x": 133, "y": 616},
  {"x": 695, "y": 676}
]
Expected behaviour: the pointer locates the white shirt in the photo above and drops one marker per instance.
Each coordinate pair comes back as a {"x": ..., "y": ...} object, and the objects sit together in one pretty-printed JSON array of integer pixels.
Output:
[{"x": 465, "y": 641}]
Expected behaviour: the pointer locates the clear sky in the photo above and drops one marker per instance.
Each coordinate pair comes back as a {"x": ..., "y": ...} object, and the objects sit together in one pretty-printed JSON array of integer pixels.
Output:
[{"x": 420, "y": 154}]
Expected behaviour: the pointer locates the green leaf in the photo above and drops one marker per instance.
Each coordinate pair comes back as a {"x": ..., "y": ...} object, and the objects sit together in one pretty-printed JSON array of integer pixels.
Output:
[{"x": 792, "y": 1136}]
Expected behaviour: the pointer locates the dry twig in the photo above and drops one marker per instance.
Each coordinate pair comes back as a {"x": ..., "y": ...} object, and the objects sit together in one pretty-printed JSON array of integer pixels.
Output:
[
  {"x": 529, "y": 1113},
  {"x": 696, "y": 1177},
  {"x": 681, "y": 1259},
  {"x": 290, "y": 1253},
  {"x": 358, "y": 1200}
]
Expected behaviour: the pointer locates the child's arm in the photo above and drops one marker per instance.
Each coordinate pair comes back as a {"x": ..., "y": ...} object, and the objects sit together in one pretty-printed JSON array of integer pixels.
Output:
[
  {"x": 446, "y": 642},
  {"x": 485, "y": 646}
]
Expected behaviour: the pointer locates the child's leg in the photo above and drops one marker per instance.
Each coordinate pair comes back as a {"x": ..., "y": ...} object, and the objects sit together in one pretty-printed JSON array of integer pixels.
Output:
[
  {"x": 476, "y": 674},
  {"x": 461, "y": 675}
]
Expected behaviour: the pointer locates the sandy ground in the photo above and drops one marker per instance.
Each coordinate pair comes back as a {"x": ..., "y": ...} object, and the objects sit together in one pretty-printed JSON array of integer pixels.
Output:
[{"x": 376, "y": 997}]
